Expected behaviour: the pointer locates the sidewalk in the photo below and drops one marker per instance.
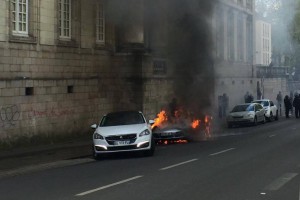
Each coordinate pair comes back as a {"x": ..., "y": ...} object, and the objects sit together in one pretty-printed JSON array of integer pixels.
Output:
[{"x": 34, "y": 155}]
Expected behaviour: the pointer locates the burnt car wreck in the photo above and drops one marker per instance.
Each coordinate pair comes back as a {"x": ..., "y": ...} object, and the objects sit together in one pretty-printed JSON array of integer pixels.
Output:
[{"x": 180, "y": 128}]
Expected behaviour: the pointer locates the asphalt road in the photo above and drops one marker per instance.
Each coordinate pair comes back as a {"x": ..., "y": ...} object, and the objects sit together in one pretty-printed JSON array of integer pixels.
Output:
[{"x": 249, "y": 163}]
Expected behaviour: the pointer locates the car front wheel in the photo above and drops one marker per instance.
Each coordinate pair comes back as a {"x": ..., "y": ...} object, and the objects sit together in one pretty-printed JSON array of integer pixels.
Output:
[
  {"x": 271, "y": 117},
  {"x": 255, "y": 121},
  {"x": 96, "y": 156},
  {"x": 150, "y": 152}
]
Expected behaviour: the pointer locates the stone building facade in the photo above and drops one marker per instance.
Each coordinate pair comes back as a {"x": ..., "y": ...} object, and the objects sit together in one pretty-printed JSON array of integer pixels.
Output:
[
  {"x": 233, "y": 23},
  {"x": 235, "y": 34},
  {"x": 64, "y": 63}
]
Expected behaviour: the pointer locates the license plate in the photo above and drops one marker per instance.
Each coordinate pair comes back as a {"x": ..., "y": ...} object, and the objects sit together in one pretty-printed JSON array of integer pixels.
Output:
[
  {"x": 125, "y": 142},
  {"x": 166, "y": 134}
]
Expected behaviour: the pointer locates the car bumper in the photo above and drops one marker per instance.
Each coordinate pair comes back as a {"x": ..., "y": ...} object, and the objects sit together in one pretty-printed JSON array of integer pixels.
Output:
[
  {"x": 168, "y": 136},
  {"x": 240, "y": 121},
  {"x": 102, "y": 146}
]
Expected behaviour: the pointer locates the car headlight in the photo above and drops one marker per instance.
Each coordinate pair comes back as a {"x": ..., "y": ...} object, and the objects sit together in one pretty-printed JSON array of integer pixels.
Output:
[
  {"x": 98, "y": 136},
  {"x": 145, "y": 132}
]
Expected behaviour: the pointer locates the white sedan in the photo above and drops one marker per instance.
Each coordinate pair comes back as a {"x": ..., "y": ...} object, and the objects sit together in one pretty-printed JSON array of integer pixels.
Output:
[
  {"x": 121, "y": 132},
  {"x": 270, "y": 107},
  {"x": 249, "y": 113}
]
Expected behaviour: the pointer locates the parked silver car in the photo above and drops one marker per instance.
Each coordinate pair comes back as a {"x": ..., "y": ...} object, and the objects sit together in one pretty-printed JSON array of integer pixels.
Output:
[{"x": 245, "y": 114}]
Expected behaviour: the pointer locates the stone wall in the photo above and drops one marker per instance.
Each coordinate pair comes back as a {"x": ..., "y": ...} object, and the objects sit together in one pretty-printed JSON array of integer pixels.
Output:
[
  {"x": 72, "y": 89},
  {"x": 272, "y": 86},
  {"x": 56, "y": 107}
]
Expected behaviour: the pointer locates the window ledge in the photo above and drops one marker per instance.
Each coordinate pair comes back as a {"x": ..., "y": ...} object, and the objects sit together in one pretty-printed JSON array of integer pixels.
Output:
[
  {"x": 67, "y": 43},
  {"x": 23, "y": 39}
]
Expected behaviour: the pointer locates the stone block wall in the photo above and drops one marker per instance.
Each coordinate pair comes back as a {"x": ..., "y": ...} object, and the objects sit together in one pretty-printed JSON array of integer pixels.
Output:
[
  {"x": 51, "y": 109},
  {"x": 72, "y": 90}
]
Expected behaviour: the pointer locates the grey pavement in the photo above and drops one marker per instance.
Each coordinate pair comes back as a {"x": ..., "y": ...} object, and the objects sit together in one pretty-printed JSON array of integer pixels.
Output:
[
  {"x": 15, "y": 158},
  {"x": 39, "y": 155}
]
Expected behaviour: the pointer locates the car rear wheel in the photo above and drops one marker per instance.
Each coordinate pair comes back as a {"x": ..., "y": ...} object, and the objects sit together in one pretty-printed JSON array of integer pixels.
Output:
[{"x": 276, "y": 117}]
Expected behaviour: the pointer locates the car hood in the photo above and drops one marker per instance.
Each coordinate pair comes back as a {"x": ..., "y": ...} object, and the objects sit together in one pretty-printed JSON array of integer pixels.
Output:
[{"x": 122, "y": 130}]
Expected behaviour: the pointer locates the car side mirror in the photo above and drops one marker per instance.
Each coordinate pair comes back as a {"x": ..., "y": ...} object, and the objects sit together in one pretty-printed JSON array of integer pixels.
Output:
[
  {"x": 151, "y": 121},
  {"x": 94, "y": 126}
]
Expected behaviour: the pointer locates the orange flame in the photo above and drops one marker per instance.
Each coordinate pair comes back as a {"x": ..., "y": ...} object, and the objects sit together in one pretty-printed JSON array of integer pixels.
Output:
[
  {"x": 195, "y": 123},
  {"x": 207, "y": 126},
  {"x": 206, "y": 119},
  {"x": 181, "y": 141},
  {"x": 161, "y": 118}
]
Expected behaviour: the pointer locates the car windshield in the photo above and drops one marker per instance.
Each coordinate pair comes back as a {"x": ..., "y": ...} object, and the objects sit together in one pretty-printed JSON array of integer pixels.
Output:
[
  {"x": 122, "y": 118},
  {"x": 241, "y": 108},
  {"x": 263, "y": 103}
]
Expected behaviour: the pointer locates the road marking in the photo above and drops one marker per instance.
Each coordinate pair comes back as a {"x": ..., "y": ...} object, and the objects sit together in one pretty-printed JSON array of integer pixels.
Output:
[
  {"x": 281, "y": 181},
  {"x": 220, "y": 152},
  {"x": 272, "y": 136},
  {"x": 108, "y": 186},
  {"x": 176, "y": 165}
]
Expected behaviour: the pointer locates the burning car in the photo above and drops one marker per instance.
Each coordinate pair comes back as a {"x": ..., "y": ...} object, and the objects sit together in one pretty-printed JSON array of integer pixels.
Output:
[{"x": 178, "y": 128}]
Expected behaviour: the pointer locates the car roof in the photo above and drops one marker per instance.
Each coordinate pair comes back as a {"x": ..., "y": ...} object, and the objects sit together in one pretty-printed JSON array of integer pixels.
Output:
[
  {"x": 124, "y": 112},
  {"x": 262, "y": 100},
  {"x": 245, "y": 104}
]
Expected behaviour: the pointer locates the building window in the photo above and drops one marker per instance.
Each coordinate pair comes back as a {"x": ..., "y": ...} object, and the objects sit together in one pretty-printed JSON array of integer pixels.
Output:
[
  {"x": 230, "y": 35},
  {"x": 240, "y": 44},
  {"x": 240, "y": 2},
  {"x": 20, "y": 17},
  {"x": 220, "y": 34},
  {"x": 249, "y": 39},
  {"x": 29, "y": 91},
  {"x": 100, "y": 23},
  {"x": 249, "y": 4},
  {"x": 64, "y": 19},
  {"x": 70, "y": 89}
]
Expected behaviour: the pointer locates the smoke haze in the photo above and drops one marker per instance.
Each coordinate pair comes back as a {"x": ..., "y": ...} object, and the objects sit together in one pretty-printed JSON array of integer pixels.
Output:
[
  {"x": 180, "y": 31},
  {"x": 190, "y": 51}
]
